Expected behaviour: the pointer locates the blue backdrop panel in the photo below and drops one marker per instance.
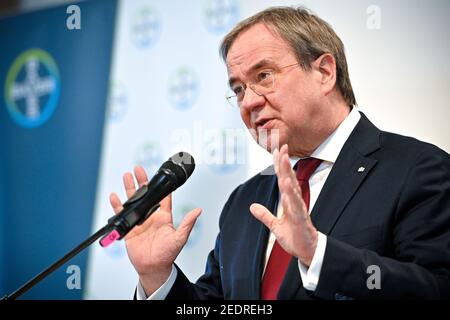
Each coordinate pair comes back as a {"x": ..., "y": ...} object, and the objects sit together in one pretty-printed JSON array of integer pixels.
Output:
[
  {"x": 2, "y": 227},
  {"x": 54, "y": 91}
]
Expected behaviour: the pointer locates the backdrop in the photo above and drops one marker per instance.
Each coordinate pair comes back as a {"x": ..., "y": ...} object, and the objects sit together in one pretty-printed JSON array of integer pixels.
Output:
[{"x": 54, "y": 85}]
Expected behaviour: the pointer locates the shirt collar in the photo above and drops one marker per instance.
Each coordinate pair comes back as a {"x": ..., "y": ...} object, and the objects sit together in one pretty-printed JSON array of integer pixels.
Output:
[{"x": 330, "y": 148}]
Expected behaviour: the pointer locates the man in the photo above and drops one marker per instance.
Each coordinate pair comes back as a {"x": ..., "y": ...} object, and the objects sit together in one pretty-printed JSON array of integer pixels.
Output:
[{"x": 365, "y": 214}]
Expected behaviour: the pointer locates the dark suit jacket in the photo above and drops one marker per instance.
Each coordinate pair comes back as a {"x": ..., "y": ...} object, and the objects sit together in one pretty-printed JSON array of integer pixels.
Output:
[{"x": 395, "y": 214}]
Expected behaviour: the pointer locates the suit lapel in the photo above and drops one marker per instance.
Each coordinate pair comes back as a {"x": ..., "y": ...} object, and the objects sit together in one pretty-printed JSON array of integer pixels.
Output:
[
  {"x": 267, "y": 195},
  {"x": 351, "y": 168},
  {"x": 342, "y": 183}
]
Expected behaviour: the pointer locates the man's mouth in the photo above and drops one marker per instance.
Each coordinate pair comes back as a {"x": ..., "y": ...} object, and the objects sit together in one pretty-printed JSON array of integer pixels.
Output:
[{"x": 265, "y": 123}]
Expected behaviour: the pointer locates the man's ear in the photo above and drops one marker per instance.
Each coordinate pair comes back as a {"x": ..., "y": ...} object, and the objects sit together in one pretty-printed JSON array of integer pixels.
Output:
[{"x": 326, "y": 65}]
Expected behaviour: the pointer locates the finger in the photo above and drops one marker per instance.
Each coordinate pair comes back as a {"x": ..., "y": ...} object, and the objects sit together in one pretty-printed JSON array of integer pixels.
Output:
[
  {"x": 288, "y": 208},
  {"x": 276, "y": 160},
  {"x": 115, "y": 202},
  {"x": 166, "y": 203},
  {"x": 278, "y": 172},
  {"x": 186, "y": 226},
  {"x": 129, "y": 184},
  {"x": 263, "y": 214},
  {"x": 297, "y": 208},
  {"x": 284, "y": 149},
  {"x": 291, "y": 201},
  {"x": 283, "y": 159},
  {"x": 284, "y": 168},
  {"x": 141, "y": 175},
  {"x": 285, "y": 204},
  {"x": 286, "y": 171}
]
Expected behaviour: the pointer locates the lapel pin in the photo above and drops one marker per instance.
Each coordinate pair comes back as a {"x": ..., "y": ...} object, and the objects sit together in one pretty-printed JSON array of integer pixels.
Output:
[{"x": 361, "y": 169}]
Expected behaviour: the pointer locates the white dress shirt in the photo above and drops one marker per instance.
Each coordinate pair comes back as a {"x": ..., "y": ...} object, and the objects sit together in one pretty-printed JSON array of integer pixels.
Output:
[{"x": 328, "y": 152}]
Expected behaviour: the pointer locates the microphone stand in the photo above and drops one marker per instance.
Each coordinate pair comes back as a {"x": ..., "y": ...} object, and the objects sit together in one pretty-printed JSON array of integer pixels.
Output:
[{"x": 57, "y": 264}]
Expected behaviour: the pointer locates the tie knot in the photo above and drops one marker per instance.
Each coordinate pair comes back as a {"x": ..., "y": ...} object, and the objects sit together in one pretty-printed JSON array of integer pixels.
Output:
[{"x": 306, "y": 167}]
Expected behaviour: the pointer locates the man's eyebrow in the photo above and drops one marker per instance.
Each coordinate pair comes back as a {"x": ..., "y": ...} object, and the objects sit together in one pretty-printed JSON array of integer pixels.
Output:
[{"x": 260, "y": 64}]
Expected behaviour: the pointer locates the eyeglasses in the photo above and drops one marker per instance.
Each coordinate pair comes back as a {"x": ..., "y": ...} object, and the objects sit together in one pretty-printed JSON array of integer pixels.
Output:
[{"x": 263, "y": 84}]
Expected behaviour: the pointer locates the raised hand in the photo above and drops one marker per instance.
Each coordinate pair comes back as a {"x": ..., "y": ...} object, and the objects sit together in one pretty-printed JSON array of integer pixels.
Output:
[
  {"x": 294, "y": 229},
  {"x": 153, "y": 246}
]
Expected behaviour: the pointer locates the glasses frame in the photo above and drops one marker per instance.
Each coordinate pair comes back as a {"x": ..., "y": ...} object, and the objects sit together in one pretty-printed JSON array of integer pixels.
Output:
[{"x": 232, "y": 97}]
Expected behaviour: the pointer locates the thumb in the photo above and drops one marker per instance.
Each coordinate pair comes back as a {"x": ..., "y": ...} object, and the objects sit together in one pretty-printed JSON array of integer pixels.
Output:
[
  {"x": 185, "y": 227},
  {"x": 263, "y": 214}
]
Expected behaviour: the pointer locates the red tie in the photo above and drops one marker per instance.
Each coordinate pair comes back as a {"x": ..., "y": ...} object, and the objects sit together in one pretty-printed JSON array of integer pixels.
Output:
[{"x": 279, "y": 259}]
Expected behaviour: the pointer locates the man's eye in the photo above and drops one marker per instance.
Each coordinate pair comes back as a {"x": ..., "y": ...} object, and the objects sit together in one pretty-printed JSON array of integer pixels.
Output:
[
  {"x": 264, "y": 75},
  {"x": 238, "y": 89}
]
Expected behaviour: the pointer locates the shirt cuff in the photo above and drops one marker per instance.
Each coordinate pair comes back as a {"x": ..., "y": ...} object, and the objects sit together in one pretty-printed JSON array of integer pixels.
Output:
[
  {"x": 162, "y": 291},
  {"x": 310, "y": 276}
]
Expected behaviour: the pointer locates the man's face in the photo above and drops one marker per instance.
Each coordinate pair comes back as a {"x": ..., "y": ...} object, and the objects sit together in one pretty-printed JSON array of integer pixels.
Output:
[{"x": 290, "y": 109}]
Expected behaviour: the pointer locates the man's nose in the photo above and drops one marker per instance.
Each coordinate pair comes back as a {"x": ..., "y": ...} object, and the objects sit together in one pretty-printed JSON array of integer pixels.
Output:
[{"x": 252, "y": 99}]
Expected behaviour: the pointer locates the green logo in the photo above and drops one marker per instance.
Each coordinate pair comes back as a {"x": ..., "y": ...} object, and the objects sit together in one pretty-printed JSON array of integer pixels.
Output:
[{"x": 32, "y": 88}]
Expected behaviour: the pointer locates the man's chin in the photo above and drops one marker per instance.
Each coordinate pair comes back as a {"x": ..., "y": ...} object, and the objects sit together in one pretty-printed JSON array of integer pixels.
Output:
[{"x": 268, "y": 139}]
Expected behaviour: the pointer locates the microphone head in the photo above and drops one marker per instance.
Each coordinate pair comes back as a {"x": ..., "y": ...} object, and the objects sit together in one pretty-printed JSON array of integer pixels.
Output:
[{"x": 182, "y": 164}]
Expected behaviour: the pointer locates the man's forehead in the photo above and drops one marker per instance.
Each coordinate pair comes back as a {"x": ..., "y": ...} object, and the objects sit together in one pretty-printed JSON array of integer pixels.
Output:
[
  {"x": 251, "y": 59},
  {"x": 256, "y": 45},
  {"x": 246, "y": 65},
  {"x": 253, "y": 64},
  {"x": 252, "y": 41}
]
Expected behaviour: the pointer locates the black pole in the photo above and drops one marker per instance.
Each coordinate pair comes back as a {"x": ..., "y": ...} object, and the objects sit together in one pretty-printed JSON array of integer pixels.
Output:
[{"x": 56, "y": 265}]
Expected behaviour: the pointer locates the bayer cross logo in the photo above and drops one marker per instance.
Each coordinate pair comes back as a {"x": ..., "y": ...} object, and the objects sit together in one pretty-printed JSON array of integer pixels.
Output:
[
  {"x": 117, "y": 101},
  {"x": 145, "y": 27},
  {"x": 116, "y": 250},
  {"x": 221, "y": 15},
  {"x": 32, "y": 88},
  {"x": 183, "y": 87}
]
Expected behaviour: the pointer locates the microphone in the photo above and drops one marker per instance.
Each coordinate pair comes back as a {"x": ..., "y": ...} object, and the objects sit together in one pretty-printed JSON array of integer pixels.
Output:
[{"x": 172, "y": 174}]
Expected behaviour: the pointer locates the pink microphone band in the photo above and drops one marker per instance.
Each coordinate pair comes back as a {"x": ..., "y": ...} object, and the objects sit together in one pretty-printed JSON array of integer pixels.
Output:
[{"x": 110, "y": 238}]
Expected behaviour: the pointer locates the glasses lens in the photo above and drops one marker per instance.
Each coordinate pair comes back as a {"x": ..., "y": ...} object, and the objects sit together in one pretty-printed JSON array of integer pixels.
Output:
[
  {"x": 267, "y": 83},
  {"x": 264, "y": 85},
  {"x": 231, "y": 98}
]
